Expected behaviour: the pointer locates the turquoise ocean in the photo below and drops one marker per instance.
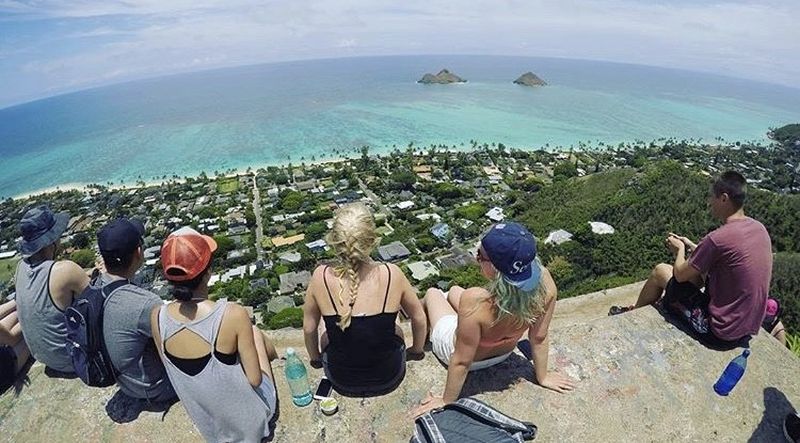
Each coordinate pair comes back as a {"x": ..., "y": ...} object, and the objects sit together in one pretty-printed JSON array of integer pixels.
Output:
[{"x": 282, "y": 112}]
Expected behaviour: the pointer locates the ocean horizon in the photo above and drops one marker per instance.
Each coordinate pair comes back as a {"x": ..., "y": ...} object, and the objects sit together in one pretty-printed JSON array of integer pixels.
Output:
[{"x": 302, "y": 111}]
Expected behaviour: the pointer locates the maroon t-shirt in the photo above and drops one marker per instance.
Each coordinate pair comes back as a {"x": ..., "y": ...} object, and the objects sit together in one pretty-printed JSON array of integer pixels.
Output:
[{"x": 737, "y": 257}]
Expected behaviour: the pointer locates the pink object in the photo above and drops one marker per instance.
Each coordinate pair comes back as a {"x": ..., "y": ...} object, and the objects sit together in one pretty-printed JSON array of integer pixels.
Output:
[{"x": 772, "y": 307}]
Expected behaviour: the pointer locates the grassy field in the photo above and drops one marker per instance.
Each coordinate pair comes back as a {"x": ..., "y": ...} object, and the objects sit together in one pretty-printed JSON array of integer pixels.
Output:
[
  {"x": 228, "y": 185},
  {"x": 7, "y": 268}
]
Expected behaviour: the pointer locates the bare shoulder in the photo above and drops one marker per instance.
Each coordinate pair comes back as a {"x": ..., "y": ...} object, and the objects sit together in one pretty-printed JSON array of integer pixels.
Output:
[
  {"x": 474, "y": 296},
  {"x": 551, "y": 291},
  {"x": 66, "y": 267},
  {"x": 392, "y": 267},
  {"x": 318, "y": 276},
  {"x": 396, "y": 272},
  {"x": 237, "y": 313},
  {"x": 154, "y": 319},
  {"x": 319, "y": 272}
]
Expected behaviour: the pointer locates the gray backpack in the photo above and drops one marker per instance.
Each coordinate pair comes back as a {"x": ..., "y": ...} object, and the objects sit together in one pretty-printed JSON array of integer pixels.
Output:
[{"x": 469, "y": 420}]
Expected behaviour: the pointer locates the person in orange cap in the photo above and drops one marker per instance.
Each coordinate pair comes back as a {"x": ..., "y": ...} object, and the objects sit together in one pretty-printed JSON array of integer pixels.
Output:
[{"x": 218, "y": 363}]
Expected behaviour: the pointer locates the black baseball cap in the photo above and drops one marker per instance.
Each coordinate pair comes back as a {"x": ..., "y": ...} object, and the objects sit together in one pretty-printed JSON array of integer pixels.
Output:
[{"x": 119, "y": 238}]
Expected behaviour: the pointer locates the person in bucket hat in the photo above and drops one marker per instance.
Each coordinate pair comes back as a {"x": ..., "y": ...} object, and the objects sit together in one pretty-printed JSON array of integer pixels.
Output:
[
  {"x": 476, "y": 328},
  {"x": 45, "y": 287}
]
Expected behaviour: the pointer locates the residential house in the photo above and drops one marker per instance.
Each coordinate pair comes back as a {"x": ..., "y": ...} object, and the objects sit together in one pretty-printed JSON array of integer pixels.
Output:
[
  {"x": 278, "y": 304},
  {"x": 558, "y": 237},
  {"x": 405, "y": 205},
  {"x": 496, "y": 214},
  {"x": 287, "y": 241},
  {"x": 422, "y": 269},
  {"x": 292, "y": 281},
  {"x": 441, "y": 231},
  {"x": 317, "y": 245},
  {"x": 601, "y": 228},
  {"x": 393, "y": 252},
  {"x": 290, "y": 257},
  {"x": 455, "y": 259}
]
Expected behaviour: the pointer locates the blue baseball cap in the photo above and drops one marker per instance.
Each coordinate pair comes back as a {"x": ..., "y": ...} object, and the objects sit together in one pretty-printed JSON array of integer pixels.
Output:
[
  {"x": 119, "y": 238},
  {"x": 512, "y": 250},
  {"x": 40, "y": 228}
]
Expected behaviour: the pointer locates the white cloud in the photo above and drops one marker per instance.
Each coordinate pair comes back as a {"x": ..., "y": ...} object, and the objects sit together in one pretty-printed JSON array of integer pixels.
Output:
[
  {"x": 153, "y": 37},
  {"x": 347, "y": 43}
]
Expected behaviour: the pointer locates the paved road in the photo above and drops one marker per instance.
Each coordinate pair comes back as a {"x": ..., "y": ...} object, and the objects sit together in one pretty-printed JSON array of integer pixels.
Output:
[
  {"x": 259, "y": 223},
  {"x": 372, "y": 196}
]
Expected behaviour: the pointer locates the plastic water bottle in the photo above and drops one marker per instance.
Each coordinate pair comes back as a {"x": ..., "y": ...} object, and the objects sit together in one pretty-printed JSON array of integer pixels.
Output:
[
  {"x": 297, "y": 377},
  {"x": 732, "y": 373}
]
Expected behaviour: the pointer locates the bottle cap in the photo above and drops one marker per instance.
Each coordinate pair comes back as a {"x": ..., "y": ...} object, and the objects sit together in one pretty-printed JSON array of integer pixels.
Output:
[
  {"x": 746, "y": 352},
  {"x": 289, "y": 351}
]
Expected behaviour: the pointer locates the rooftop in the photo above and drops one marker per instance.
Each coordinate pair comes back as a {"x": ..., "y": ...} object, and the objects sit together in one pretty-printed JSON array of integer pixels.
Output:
[
  {"x": 393, "y": 251},
  {"x": 284, "y": 241}
]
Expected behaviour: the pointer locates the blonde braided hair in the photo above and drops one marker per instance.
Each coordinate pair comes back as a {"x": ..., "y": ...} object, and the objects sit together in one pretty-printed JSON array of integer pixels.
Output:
[{"x": 353, "y": 239}]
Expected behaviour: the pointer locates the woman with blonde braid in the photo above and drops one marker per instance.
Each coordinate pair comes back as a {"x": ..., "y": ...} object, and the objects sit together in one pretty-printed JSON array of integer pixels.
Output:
[
  {"x": 362, "y": 349},
  {"x": 476, "y": 328}
]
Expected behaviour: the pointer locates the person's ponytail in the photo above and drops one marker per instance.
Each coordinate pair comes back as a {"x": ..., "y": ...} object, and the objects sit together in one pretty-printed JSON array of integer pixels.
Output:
[
  {"x": 184, "y": 290},
  {"x": 182, "y": 293}
]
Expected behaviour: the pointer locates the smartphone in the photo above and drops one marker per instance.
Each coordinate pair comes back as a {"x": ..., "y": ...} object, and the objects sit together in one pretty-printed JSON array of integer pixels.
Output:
[{"x": 324, "y": 389}]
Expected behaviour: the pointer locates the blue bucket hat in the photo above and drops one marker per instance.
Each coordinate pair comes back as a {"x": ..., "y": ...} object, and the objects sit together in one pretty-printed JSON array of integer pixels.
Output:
[
  {"x": 41, "y": 228},
  {"x": 512, "y": 250}
]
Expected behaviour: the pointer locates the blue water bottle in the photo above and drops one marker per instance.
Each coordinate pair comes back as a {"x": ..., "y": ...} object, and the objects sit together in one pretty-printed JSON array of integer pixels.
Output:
[
  {"x": 297, "y": 377},
  {"x": 732, "y": 373}
]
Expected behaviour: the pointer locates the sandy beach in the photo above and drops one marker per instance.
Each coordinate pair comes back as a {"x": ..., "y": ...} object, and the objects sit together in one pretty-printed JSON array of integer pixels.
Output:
[{"x": 89, "y": 187}]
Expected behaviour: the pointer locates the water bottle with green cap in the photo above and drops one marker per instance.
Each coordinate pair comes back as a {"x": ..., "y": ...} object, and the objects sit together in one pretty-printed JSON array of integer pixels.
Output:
[{"x": 297, "y": 377}]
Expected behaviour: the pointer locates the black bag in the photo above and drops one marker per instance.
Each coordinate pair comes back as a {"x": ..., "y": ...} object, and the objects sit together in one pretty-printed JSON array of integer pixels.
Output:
[
  {"x": 85, "y": 341},
  {"x": 470, "y": 421}
]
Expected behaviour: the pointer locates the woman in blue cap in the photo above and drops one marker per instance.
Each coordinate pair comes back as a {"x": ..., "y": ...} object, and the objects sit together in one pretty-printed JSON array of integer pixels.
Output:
[{"x": 476, "y": 328}]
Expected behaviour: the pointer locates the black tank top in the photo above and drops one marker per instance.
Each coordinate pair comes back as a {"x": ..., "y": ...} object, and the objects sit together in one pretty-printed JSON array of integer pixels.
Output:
[{"x": 368, "y": 353}]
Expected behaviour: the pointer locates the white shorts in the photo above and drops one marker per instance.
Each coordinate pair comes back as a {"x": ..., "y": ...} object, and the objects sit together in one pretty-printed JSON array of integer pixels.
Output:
[{"x": 443, "y": 344}]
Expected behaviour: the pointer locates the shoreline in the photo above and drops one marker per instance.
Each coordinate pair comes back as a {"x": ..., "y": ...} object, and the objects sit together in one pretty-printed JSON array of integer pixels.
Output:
[{"x": 86, "y": 187}]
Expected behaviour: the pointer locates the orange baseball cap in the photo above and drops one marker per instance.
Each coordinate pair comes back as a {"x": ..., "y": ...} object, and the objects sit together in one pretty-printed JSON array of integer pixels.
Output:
[{"x": 186, "y": 253}]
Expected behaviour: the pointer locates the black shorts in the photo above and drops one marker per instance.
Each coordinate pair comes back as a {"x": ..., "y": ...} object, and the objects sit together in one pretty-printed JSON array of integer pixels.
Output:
[
  {"x": 8, "y": 367},
  {"x": 690, "y": 305},
  {"x": 354, "y": 387}
]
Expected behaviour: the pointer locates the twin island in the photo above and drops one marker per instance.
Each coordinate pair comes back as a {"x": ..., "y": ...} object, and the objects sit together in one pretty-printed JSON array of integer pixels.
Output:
[{"x": 445, "y": 77}]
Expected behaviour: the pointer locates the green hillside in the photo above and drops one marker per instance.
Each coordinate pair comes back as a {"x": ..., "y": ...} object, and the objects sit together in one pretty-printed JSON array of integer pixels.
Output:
[{"x": 643, "y": 206}]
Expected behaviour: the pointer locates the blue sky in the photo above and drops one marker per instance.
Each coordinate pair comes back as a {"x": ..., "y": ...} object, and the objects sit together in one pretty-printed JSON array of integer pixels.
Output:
[{"x": 53, "y": 46}]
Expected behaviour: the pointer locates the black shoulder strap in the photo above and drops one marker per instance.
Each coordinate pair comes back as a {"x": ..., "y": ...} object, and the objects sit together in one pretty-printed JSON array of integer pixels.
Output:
[
  {"x": 109, "y": 289},
  {"x": 325, "y": 280},
  {"x": 388, "y": 285}
]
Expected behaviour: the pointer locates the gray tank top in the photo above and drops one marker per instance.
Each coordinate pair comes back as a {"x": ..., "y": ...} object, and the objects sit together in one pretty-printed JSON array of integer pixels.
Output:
[
  {"x": 221, "y": 402},
  {"x": 43, "y": 324}
]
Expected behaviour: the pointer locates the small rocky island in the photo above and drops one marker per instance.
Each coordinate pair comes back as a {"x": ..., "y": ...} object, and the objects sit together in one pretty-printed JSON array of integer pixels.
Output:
[
  {"x": 444, "y": 77},
  {"x": 530, "y": 79}
]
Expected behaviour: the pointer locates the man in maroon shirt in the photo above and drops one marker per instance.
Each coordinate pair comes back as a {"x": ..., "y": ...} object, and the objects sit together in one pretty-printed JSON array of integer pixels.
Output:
[{"x": 733, "y": 262}]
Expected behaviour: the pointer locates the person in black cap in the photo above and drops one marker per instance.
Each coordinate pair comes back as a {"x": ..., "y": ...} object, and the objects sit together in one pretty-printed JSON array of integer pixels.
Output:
[
  {"x": 126, "y": 318},
  {"x": 476, "y": 328},
  {"x": 45, "y": 287}
]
